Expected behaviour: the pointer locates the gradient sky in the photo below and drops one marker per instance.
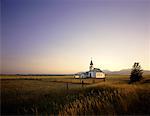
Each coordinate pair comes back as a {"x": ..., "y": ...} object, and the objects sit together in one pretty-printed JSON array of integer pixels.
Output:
[{"x": 61, "y": 36}]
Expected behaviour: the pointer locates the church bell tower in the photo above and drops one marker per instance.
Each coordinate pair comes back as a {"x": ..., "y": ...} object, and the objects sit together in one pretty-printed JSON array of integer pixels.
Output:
[{"x": 91, "y": 65}]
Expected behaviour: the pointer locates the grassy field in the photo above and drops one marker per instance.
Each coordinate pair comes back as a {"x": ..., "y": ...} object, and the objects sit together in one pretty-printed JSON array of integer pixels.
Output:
[{"x": 64, "y": 95}]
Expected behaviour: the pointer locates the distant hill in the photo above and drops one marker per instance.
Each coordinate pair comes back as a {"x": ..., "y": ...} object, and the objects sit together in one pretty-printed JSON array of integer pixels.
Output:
[
  {"x": 125, "y": 72},
  {"x": 147, "y": 72}
]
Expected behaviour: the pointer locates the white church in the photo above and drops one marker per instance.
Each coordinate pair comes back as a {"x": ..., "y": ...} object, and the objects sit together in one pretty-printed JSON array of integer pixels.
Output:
[{"x": 92, "y": 73}]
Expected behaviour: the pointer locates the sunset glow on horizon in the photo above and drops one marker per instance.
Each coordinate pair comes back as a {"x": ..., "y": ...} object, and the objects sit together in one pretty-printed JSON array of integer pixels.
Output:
[{"x": 61, "y": 36}]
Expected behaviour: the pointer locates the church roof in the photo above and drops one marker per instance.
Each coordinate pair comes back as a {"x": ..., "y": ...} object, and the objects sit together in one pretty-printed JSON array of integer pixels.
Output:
[
  {"x": 91, "y": 63},
  {"x": 97, "y": 70}
]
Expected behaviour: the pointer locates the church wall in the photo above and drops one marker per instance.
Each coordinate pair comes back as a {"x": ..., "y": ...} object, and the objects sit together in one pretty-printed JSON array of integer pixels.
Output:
[
  {"x": 94, "y": 74},
  {"x": 100, "y": 75},
  {"x": 91, "y": 74}
]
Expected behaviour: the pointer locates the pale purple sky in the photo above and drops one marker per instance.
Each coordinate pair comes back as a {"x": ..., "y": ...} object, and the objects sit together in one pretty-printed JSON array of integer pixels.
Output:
[{"x": 60, "y": 36}]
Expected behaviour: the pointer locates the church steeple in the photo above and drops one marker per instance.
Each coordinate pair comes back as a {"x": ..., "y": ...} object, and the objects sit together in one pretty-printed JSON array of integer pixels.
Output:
[{"x": 91, "y": 65}]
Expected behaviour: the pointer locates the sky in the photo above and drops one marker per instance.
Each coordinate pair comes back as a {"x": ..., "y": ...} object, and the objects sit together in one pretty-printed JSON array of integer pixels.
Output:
[{"x": 61, "y": 36}]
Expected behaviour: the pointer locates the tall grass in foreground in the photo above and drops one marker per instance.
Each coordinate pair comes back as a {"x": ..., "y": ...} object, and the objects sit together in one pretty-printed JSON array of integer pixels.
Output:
[
  {"x": 109, "y": 101},
  {"x": 43, "y": 97}
]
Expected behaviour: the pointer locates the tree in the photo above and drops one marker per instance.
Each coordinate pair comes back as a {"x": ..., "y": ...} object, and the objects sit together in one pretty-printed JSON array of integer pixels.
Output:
[{"x": 136, "y": 73}]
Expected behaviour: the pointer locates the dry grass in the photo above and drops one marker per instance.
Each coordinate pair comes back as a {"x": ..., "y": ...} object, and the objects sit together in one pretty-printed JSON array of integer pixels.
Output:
[
  {"x": 50, "y": 96},
  {"x": 107, "y": 99},
  {"x": 33, "y": 77}
]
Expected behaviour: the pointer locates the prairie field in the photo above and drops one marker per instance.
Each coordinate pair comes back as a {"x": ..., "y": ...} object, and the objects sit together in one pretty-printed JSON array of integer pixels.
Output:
[{"x": 64, "y": 95}]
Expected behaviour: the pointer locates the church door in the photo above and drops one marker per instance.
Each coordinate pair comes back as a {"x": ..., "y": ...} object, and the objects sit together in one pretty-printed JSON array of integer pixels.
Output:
[{"x": 90, "y": 75}]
